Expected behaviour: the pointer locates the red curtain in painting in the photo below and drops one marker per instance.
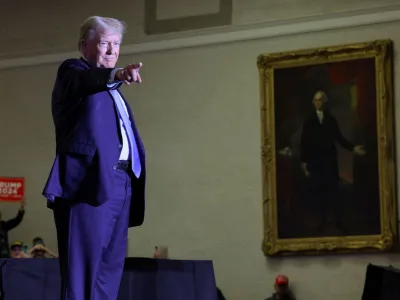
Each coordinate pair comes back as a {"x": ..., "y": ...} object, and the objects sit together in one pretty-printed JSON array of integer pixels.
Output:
[{"x": 361, "y": 73}]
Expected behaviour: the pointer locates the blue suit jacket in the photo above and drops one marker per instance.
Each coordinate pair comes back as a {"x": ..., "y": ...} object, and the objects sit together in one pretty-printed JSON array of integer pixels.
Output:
[{"x": 88, "y": 140}]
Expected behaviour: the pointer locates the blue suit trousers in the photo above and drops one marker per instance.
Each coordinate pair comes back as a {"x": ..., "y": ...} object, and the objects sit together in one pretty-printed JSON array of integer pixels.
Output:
[{"x": 92, "y": 243}]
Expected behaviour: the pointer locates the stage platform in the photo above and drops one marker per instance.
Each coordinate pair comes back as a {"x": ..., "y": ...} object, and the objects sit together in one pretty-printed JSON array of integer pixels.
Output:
[{"x": 143, "y": 279}]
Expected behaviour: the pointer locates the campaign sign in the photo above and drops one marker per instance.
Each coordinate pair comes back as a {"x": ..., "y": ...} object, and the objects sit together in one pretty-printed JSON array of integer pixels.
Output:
[{"x": 12, "y": 189}]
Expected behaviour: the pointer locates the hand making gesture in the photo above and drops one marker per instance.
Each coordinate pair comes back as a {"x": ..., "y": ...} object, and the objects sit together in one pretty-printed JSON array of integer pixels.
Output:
[{"x": 129, "y": 74}]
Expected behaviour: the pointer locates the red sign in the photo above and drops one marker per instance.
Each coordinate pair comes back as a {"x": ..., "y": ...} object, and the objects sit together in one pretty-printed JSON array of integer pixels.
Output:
[{"x": 12, "y": 189}]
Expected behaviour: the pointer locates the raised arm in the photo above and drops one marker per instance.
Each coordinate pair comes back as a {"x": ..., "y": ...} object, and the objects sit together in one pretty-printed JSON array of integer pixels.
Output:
[
  {"x": 76, "y": 80},
  {"x": 12, "y": 223}
]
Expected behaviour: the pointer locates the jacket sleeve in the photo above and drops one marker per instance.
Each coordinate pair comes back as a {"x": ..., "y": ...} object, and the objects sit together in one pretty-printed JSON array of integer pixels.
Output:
[
  {"x": 12, "y": 223},
  {"x": 76, "y": 80},
  {"x": 346, "y": 144}
]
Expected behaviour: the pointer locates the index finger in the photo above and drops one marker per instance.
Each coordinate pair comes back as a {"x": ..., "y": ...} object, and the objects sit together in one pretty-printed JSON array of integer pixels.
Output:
[{"x": 137, "y": 66}]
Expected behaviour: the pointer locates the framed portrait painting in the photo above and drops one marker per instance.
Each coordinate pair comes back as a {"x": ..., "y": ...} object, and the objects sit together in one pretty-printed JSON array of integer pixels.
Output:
[{"x": 327, "y": 148}]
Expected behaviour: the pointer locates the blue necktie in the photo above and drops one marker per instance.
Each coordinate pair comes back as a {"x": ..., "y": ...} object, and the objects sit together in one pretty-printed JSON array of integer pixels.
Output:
[{"x": 136, "y": 167}]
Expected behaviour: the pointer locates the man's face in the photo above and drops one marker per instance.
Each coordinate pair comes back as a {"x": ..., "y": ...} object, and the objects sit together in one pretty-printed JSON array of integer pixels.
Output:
[
  {"x": 103, "y": 49},
  {"x": 319, "y": 102},
  {"x": 16, "y": 251}
]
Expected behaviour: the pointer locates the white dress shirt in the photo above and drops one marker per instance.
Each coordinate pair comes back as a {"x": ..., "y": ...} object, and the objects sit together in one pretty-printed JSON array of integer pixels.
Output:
[{"x": 320, "y": 115}]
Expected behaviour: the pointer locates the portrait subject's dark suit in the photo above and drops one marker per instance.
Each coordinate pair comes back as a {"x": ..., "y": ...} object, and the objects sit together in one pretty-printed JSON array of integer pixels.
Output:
[
  {"x": 94, "y": 202},
  {"x": 318, "y": 152}
]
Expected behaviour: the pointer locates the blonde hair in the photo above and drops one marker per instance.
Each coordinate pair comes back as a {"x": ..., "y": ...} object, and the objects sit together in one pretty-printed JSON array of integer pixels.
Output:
[{"x": 94, "y": 24}]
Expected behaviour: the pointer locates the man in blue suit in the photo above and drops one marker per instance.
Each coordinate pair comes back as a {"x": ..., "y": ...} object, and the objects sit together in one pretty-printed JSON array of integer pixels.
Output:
[{"x": 96, "y": 186}]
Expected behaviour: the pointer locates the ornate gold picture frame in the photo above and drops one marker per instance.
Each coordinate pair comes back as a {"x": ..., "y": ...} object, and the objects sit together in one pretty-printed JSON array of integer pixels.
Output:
[{"x": 327, "y": 149}]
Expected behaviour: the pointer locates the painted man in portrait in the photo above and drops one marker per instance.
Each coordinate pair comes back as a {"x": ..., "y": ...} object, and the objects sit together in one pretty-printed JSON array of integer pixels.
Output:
[{"x": 320, "y": 165}]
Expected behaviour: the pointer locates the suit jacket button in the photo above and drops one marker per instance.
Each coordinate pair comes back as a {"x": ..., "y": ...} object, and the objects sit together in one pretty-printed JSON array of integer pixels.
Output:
[
  {"x": 114, "y": 167},
  {"x": 119, "y": 146}
]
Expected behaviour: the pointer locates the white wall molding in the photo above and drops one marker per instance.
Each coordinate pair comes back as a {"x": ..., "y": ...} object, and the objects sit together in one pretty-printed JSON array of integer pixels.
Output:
[{"x": 232, "y": 34}]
